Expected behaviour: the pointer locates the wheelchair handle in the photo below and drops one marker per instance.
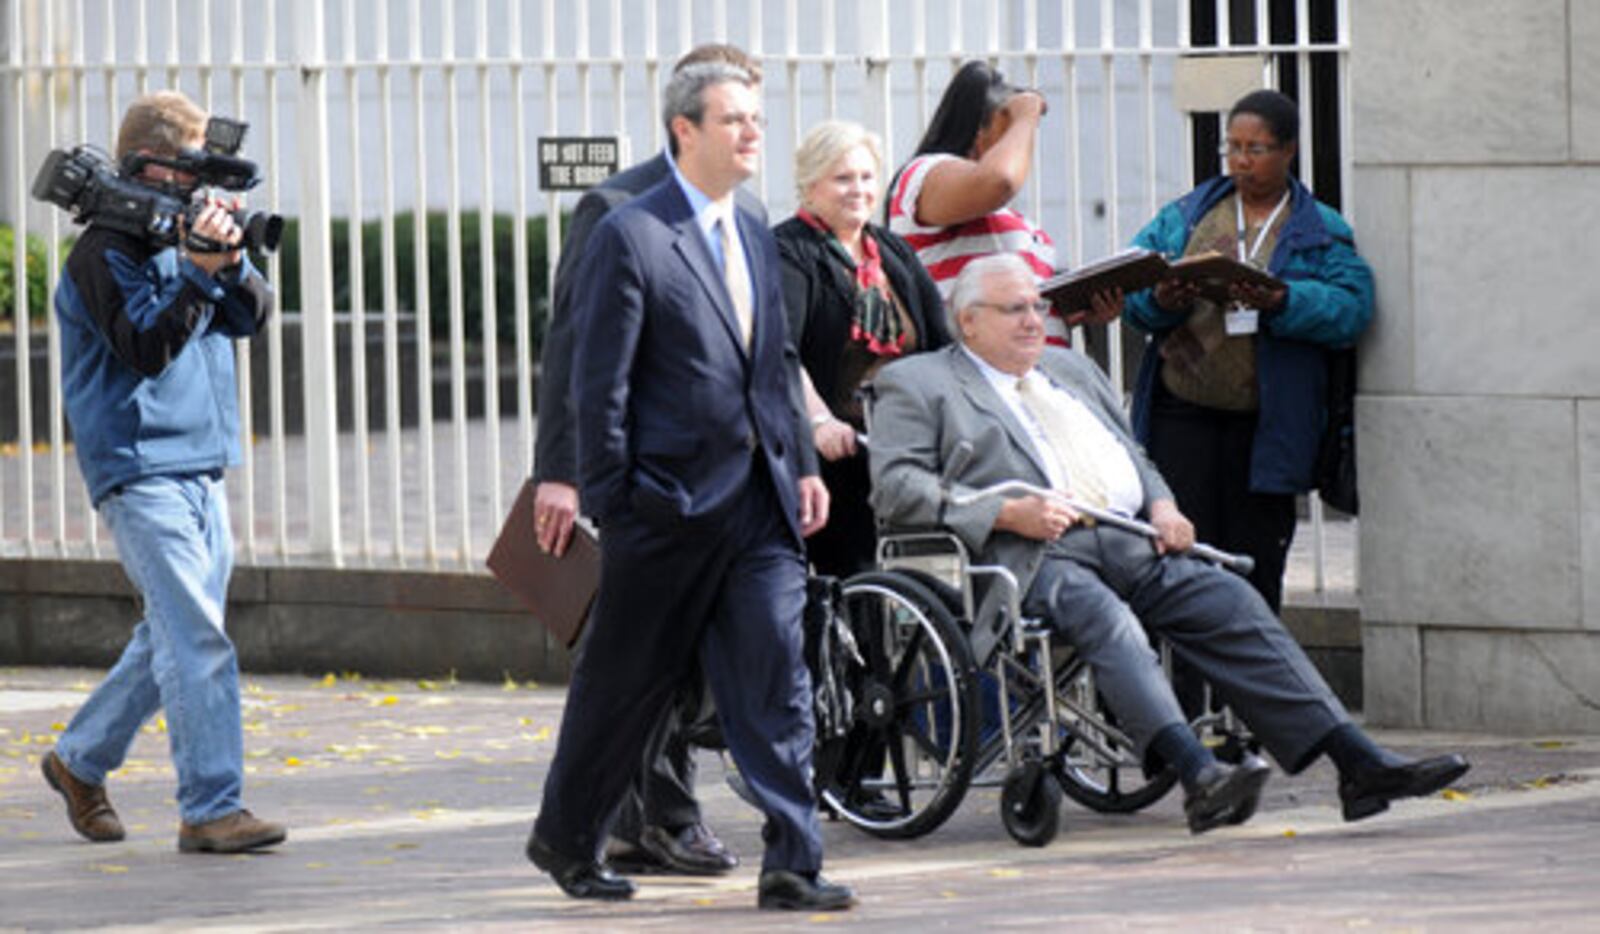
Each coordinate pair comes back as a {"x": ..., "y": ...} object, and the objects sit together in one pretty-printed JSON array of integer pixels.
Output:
[{"x": 1240, "y": 564}]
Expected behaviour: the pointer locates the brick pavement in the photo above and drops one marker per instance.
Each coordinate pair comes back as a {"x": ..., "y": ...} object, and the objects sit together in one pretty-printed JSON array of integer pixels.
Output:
[{"x": 408, "y": 804}]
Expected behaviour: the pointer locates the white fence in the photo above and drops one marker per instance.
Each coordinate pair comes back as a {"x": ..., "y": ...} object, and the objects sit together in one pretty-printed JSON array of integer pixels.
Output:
[{"x": 372, "y": 110}]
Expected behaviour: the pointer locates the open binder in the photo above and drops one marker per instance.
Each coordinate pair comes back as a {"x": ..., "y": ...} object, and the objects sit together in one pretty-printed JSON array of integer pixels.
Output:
[{"x": 1135, "y": 268}]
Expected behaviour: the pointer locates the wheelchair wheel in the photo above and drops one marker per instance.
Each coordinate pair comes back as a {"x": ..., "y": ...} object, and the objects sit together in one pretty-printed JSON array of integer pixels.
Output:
[
  {"x": 906, "y": 761},
  {"x": 1097, "y": 766},
  {"x": 1030, "y": 805}
]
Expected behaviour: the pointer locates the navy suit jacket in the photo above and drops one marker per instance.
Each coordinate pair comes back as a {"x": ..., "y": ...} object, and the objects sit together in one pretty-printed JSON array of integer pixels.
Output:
[
  {"x": 673, "y": 413},
  {"x": 556, "y": 445}
]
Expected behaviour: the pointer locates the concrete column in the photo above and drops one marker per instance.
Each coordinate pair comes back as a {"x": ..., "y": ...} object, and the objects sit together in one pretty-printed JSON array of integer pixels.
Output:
[{"x": 1477, "y": 185}]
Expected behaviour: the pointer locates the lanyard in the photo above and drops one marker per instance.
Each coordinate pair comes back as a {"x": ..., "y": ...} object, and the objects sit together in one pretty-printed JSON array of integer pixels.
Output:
[{"x": 1261, "y": 235}]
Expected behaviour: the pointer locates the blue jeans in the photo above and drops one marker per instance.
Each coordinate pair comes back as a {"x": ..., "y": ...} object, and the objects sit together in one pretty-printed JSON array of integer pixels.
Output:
[{"x": 173, "y": 536}]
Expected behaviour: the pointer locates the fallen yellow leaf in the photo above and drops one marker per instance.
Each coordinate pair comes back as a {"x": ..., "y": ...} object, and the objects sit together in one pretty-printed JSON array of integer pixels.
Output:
[
  {"x": 1289, "y": 833},
  {"x": 110, "y": 869},
  {"x": 58, "y": 726},
  {"x": 1450, "y": 794},
  {"x": 292, "y": 761},
  {"x": 329, "y": 680},
  {"x": 1551, "y": 744},
  {"x": 388, "y": 700},
  {"x": 1005, "y": 873}
]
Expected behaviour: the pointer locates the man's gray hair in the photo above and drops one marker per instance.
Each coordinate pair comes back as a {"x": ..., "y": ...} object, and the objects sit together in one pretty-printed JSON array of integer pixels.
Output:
[
  {"x": 968, "y": 289},
  {"x": 684, "y": 95}
]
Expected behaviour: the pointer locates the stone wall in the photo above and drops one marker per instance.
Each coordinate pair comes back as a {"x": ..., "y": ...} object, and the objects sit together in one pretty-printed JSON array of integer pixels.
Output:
[
  {"x": 1477, "y": 193},
  {"x": 284, "y": 619}
]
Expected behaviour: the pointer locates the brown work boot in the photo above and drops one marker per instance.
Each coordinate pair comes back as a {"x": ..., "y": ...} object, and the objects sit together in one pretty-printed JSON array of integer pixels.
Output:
[
  {"x": 235, "y": 833},
  {"x": 87, "y": 808}
]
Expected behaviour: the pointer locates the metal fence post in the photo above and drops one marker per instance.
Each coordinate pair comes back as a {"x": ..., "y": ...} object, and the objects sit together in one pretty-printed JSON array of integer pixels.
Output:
[
  {"x": 878, "y": 111},
  {"x": 316, "y": 285}
]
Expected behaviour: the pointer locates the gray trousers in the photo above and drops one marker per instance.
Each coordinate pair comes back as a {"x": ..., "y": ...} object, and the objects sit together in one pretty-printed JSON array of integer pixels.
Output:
[{"x": 1098, "y": 585}]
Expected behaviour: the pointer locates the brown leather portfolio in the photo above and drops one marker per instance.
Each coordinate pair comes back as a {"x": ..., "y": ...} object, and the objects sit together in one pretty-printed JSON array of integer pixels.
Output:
[
  {"x": 558, "y": 591},
  {"x": 1130, "y": 270},
  {"x": 1214, "y": 272}
]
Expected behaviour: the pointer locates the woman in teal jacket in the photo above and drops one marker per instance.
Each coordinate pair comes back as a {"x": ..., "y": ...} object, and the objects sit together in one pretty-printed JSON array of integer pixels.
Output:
[{"x": 1231, "y": 399}]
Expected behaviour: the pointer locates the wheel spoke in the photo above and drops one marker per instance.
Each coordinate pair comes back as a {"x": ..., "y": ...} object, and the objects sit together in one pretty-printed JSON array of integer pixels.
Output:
[
  {"x": 904, "y": 701},
  {"x": 897, "y": 764},
  {"x": 907, "y": 660},
  {"x": 924, "y": 742}
]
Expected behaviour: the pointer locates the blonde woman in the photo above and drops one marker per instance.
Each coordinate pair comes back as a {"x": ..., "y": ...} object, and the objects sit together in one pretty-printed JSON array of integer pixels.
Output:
[{"x": 857, "y": 297}]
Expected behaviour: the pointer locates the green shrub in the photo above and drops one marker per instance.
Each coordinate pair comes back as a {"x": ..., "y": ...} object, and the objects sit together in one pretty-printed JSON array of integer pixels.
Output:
[
  {"x": 35, "y": 271},
  {"x": 438, "y": 279}
]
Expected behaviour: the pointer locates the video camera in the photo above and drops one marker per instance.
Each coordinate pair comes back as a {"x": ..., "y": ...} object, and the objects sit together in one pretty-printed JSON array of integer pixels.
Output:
[{"x": 85, "y": 181}]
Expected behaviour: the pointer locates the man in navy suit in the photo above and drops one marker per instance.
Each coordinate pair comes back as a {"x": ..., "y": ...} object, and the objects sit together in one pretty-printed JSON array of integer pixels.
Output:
[
  {"x": 658, "y": 826},
  {"x": 695, "y": 461}
]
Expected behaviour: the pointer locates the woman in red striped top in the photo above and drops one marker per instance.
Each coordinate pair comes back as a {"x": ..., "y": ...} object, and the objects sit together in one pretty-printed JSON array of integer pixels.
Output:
[{"x": 951, "y": 201}]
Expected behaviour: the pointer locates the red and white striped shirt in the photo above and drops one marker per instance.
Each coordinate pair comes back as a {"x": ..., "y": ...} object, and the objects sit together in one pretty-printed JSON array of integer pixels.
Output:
[{"x": 945, "y": 251}]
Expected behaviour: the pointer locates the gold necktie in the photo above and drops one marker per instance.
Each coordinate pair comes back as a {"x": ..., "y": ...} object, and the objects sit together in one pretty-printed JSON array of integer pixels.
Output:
[
  {"x": 1074, "y": 451},
  {"x": 736, "y": 275}
]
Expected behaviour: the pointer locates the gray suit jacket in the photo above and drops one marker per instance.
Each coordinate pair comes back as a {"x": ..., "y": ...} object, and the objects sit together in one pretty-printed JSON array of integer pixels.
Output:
[{"x": 926, "y": 405}]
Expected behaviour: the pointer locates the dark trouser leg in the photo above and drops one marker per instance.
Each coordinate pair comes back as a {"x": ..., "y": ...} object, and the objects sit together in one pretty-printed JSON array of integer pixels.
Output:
[
  {"x": 669, "y": 769},
  {"x": 662, "y": 795},
  {"x": 656, "y": 589},
  {"x": 1215, "y": 621},
  {"x": 1086, "y": 614},
  {"x": 753, "y": 657},
  {"x": 1204, "y": 455}
]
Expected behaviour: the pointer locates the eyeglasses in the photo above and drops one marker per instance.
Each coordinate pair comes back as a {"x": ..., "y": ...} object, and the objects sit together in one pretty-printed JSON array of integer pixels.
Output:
[
  {"x": 1254, "y": 150},
  {"x": 1038, "y": 306},
  {"x": 755, "y": 121}
]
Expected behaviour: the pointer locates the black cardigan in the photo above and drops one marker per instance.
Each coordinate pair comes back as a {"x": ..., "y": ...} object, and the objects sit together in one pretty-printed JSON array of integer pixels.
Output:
[{"x": 819, "y": 296}]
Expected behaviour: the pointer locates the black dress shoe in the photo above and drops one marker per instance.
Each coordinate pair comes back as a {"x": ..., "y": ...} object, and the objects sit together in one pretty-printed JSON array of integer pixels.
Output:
[
  {"x": 628, "y": 858},
  {"x": 1225, "y": 794},
  {"x": 693, "y": 850},
  {"x": 783, "y": 890},
  {"x": 873, "y": 806},
  {"x": 1370, "y": 792},
  {"x": 579, "y": 878}
]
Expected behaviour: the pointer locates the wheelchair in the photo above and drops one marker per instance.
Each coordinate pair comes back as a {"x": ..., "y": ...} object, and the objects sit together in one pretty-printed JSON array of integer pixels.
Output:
[{"x": 929, "y": 680}]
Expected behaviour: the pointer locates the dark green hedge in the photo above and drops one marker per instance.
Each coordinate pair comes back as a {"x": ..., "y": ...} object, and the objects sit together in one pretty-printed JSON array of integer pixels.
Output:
[
  {"x": 438, "y": 280},
  {"x": 34, "y": 270}
]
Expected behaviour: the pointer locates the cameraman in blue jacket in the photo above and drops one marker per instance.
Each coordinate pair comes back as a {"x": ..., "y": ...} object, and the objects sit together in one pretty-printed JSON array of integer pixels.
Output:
[{"x": 148, "y": 382}]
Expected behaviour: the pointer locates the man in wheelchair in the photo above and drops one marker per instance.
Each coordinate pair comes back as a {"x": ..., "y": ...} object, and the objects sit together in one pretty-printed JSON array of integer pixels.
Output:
[{"x": 1000, "y": 406}]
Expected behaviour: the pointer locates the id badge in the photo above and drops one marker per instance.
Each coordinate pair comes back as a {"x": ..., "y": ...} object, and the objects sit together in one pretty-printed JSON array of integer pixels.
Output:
[{"x": 1242, "y": 321}]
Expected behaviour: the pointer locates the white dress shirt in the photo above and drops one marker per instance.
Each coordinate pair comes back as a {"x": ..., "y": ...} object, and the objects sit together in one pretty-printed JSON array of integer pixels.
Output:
[{"x": 1124, "y": 491}]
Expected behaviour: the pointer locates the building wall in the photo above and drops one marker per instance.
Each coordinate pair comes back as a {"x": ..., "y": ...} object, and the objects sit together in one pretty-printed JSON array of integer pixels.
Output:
[{"x": 1477, "y": 189}]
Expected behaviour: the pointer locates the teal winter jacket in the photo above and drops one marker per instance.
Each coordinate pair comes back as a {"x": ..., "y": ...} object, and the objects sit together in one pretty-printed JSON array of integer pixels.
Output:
[{"x": 1328, "y": 306}]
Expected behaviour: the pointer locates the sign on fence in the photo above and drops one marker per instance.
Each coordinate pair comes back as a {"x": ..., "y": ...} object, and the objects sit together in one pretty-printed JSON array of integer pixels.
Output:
[{"x": 573, "y": 163}]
